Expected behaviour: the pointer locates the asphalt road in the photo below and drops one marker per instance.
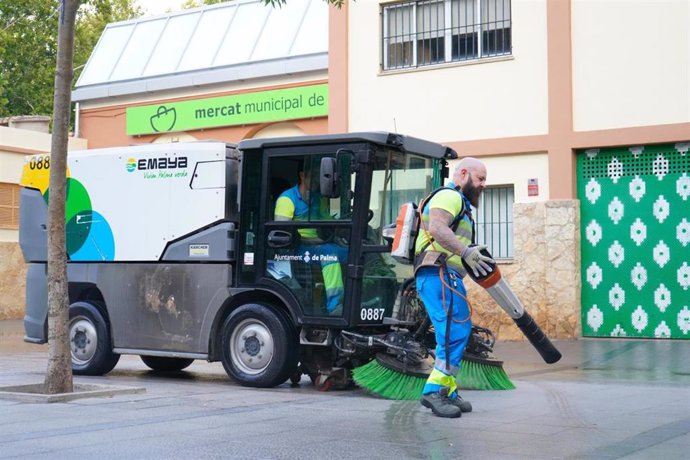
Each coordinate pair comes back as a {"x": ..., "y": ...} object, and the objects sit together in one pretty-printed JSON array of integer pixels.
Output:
[{"x": 605, "y": 399}]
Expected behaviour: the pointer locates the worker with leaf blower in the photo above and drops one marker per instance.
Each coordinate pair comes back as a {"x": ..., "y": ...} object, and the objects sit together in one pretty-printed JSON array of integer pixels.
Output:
[{"x": 444, "y": 241}]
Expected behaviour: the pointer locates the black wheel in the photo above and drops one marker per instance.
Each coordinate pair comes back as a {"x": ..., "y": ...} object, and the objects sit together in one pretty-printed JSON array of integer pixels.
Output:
[
  {"x": 89, "y": 339},
  {"x": 165, "y": 364},
  {"x": 259, "y": 346}
]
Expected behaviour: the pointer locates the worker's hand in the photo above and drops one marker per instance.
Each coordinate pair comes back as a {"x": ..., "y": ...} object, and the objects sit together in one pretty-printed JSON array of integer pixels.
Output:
[{"x": 476, "y": 261}]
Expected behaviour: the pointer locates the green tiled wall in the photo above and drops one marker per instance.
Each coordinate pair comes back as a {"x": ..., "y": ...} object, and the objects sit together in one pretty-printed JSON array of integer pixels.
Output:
[{"x": 635, "y": 224}]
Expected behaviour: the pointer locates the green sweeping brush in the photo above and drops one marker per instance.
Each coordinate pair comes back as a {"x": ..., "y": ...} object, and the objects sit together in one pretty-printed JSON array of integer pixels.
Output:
[
  {"x": 390, "y": 379},
  {"x": 387, "y": 383},
  {"x": 477, "y": 373},
  {"x": 394, "y": 378}
]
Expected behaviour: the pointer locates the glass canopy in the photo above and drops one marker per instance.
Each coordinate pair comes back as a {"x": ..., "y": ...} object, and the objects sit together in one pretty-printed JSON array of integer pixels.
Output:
[{"x": 229, "y": 35}]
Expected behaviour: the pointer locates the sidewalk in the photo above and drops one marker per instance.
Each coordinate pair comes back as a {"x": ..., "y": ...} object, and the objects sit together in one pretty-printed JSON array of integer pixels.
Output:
[{"x": 606, "y": 399}]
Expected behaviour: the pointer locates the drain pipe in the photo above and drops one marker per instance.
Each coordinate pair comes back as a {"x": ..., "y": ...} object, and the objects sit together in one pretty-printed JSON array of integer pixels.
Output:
[{"x": 76, "y": 119}]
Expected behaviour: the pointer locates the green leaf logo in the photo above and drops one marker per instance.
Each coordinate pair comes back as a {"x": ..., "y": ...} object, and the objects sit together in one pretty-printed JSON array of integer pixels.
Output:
[{"x": 164, "y": 119}]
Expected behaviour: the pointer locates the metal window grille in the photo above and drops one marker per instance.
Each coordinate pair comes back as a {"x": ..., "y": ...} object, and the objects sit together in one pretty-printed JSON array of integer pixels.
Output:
[
  {"x": 494, "y": 221},
  {"x": 426, "y": 32}
]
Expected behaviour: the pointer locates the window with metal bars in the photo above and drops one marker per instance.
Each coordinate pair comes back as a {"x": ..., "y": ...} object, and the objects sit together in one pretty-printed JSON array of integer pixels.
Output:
[
  {"x": 9, "y": 206},
  {"x": 426, "y": 32},
  {"x": 494, "y": 220}
]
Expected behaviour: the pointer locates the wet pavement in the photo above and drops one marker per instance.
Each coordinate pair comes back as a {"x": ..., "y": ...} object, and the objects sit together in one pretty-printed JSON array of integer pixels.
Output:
[{"x": 606, "y": 399}]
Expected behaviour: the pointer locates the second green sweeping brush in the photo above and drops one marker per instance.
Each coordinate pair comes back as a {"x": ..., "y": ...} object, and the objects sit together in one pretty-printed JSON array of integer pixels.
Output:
[{"x": 388, "y": 379}]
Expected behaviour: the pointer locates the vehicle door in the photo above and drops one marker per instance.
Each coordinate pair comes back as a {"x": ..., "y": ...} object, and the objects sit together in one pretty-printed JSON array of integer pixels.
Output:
[
  {"x": 306, "y": 236},
  {"x": 395, "y": 177}
]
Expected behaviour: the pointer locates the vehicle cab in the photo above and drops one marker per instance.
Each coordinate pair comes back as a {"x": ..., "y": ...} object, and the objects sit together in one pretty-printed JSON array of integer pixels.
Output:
[{"x": 351, "y": 186}]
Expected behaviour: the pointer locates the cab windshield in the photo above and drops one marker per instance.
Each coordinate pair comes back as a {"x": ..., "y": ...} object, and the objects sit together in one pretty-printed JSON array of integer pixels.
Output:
[{"x": 397, "y": 178}]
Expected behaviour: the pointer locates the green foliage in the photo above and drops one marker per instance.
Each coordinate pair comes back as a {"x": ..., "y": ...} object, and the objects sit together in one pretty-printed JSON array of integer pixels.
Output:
[
  {"x": 28, "y": 33},
  {"x": 3, "y": 77},
  {"x": 28, "y": 48}
]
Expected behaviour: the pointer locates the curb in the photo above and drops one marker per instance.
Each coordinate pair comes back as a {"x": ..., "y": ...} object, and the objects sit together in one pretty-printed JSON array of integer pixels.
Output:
[{"x": 33, "y": 393}]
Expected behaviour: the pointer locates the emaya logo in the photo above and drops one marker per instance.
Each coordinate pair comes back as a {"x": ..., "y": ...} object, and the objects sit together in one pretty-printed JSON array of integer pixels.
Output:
[
  {"x": 144, "y": 164},
  {"x": 164, "y": 119}
]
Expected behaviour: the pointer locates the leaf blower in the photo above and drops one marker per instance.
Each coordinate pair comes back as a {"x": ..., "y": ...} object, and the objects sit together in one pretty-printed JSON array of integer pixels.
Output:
[{"x": 503, "y": 294}]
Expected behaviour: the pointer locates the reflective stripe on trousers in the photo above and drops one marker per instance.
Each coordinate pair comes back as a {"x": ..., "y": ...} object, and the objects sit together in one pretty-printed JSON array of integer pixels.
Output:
[
  {"x": 333, "y": 282},
  {"x": 429, "y": 288}
]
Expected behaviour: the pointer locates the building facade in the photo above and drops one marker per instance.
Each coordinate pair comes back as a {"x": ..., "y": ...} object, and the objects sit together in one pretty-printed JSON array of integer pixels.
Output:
[
  {"x": 229, "y": 71},
  {"x": 580, "y": 109},
  {"x": 537, "y": 89}
]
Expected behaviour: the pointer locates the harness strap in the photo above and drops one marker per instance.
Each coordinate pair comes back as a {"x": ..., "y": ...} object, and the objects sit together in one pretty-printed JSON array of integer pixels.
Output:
[{"x": 454, "y": 225}]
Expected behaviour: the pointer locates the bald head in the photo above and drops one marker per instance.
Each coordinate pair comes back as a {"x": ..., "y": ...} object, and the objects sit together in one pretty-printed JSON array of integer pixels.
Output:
[
  {"x": 470, "y": 175},
  {"x": 469, "y": 164}
]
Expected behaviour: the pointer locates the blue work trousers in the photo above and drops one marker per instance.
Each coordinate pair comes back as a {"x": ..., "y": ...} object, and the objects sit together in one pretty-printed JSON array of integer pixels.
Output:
[{"x": 431, "y": 290}]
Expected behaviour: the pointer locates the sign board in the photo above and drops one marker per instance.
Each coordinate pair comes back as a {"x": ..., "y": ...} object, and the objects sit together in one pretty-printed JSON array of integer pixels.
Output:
[
  {"x": 532, "y": 187},
  {"x": 241, "y": 109}
]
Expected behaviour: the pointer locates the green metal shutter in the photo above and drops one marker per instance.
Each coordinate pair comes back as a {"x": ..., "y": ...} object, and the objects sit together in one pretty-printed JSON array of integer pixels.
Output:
[{"x": 635, "y": 241}]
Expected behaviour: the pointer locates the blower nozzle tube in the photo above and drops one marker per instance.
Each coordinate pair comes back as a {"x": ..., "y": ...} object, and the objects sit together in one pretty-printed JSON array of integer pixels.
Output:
[
  {"x": 537, "y": 338},
  {"x": 505, "y": 297}
]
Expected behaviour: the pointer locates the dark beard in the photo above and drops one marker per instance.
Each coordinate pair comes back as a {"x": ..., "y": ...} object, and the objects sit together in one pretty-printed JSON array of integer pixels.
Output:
[{"x": 471, "y": 192}]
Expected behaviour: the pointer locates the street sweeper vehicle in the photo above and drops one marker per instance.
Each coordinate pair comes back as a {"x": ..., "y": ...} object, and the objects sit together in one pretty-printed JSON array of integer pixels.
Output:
[{"x": 178, "y": 252}]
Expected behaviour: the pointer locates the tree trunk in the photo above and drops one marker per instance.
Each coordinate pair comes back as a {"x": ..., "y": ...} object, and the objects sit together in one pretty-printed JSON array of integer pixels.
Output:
[{"x": 59, "y": 372}]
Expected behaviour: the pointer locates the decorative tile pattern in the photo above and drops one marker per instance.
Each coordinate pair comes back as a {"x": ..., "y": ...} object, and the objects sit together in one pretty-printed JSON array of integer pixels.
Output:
[
  {"x": 683, "y": 232},
  {"x": 616, "y": 254},
  {"x": 637, "y": 188},
  {"x": 593, "y": 191},
  {"x": 635, "y": 243},
  {"x": 594, "y": 273},
  {"x": 595, "y": 318},
  {"x": 639, "y": 276},
  {"x": 683, "y": 186},
  {"x": 616, "y": 209},
  {"x": 683, "y": 320},
  {"x": 615, "y": 170},
  {"x": 661, "y": 209},
  {"x": 640, "y": 319},
  {"x": 616, "y": 297},
  {"x": 638, "y": 232},
  {"x": 661, "y": 254},
  {"x": 593, "y": 231},
  {"x": 683, "y": 276}
]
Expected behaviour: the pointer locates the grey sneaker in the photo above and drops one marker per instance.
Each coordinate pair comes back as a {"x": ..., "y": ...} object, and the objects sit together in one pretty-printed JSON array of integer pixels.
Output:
[
  {"x": 464, "y": 406},
  {"x": 441, "y": 405}
]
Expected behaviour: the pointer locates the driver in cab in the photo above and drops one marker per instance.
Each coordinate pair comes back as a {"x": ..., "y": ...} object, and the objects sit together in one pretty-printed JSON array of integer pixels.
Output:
[{"x": 303, "y": 203}]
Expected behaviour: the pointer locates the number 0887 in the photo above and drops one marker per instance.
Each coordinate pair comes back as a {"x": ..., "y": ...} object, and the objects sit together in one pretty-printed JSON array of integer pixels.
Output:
[{"x": 371, "y": 314}]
